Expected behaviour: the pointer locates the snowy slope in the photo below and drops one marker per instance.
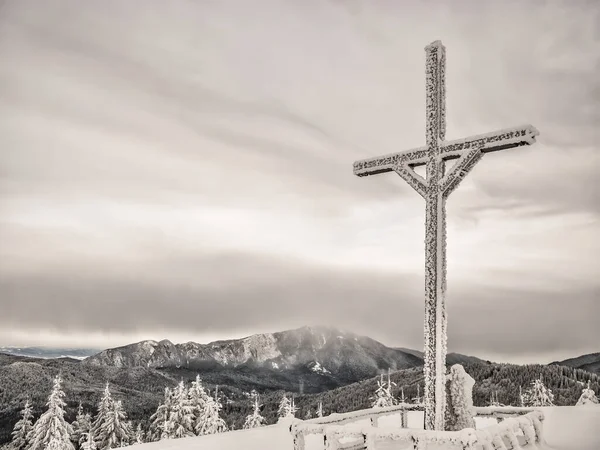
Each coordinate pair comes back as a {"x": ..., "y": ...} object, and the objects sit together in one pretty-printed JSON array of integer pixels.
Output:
[{"x": 566, "y": 428}]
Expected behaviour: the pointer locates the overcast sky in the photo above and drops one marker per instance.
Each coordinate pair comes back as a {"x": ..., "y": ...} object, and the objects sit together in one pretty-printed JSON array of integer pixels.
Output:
[{"x": 183, "y": 170}]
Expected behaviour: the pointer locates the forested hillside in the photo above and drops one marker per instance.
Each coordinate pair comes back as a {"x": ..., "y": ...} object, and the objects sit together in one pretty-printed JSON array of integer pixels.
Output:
[{"x": 141, "y": 389}]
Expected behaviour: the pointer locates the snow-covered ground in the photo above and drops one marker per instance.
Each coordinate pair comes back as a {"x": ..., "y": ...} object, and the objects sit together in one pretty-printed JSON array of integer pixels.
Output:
[{"x": 566, "y": 428}]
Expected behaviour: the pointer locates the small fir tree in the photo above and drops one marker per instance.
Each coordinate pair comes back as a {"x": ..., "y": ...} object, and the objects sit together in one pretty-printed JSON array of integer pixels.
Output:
[
  {"x": 51, "y": 429},
  {"x": 115, "y": 431},
  {"x": 22, "y": 428},
  {"x": 210, "y": 422},
  {"x": 198, "y": 400},
  {"x": 285, "y": 408},
  {"x": 538, "y": 394},
  {"x": 254, "y": 420},
  {"x": 418, "y": 398},
  {"x": 105, "y": 408},
  {"x": 160, "y": 427},
  {"x": 588, "y": 397},
  {"x": 320, "y": 410},
  {"x": 383, "y": 395},
  {"x": 81, "y": 426},
  {"x": 88, "y": 442},
  {"x": 181, "y": 415},
  {"x": 139, "y": 435},
  {"x": 294, "y": 409}
]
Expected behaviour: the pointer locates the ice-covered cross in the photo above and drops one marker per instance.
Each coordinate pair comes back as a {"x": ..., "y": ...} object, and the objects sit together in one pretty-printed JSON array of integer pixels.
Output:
[{"x": 435, "y": 189}]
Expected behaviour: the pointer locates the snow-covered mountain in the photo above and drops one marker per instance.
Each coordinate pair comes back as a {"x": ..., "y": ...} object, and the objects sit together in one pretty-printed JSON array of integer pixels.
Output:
[{"x": 319, "y": 349}]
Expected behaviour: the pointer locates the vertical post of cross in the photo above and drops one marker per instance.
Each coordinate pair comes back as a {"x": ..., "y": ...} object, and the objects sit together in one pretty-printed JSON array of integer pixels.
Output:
[{"x": 435, "y": 241}]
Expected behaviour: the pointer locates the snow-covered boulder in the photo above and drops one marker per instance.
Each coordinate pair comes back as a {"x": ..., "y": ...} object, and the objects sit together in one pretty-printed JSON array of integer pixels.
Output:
[{"x": 460, "y": 409}]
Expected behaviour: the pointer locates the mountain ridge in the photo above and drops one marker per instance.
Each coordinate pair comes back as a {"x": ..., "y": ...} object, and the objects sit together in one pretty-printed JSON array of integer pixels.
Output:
[
  {"x": 589, "y": 362},
  {"x": 341, "y": 354}
]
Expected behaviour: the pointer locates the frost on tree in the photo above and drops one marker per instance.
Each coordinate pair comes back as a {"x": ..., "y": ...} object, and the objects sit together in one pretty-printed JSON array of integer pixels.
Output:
[
  {"x": 418, "y": 398},
  {"x": 81, "y": 426},
  {"x": 160, "y": 427},
  {"x": 88, "y": 442},
  {"x": 320, "y": 410},
  {"x": 111, "y": 429},
  {"x": 210, "y": 422},
  {"x": 460, "y": 409},
  {"x": 538, "y": 394},
  {"x": 383, "y": 395},
  {"x": 51, "y": 429},
  {"x": 254, "y": 420},
  {"x": 588, "y": 397},
  {"x": 22, "y": 428},
  {"x": 115, "y": 431},
  {"x": 435, "y": 189},
  {"x": 285, "y": 408},
  {"x": 198, "y": 400},
  {"x": 181, "y": 416},
  {"x": 139, "y": 435}
]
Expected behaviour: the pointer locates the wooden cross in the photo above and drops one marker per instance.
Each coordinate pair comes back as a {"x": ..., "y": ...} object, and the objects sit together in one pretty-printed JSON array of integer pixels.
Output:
[{"x": 435, "y": 189}]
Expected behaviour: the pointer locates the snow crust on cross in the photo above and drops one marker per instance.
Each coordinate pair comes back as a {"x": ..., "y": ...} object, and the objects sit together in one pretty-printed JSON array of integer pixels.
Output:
[{"x": 435, "y": 189}]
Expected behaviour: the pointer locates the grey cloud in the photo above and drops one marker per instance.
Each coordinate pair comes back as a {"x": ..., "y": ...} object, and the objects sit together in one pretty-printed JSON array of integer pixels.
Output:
[{"x": 195, "y": 295}]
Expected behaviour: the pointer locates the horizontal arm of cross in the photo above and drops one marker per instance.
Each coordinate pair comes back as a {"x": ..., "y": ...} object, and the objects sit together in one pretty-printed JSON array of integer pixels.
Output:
[{"x": 489, "y": 142}]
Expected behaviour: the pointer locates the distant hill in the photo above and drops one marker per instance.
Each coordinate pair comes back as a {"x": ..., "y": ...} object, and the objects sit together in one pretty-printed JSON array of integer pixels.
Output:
[
  {"x": 589, "y": 362},
  {"x": 49, "y": 352},
  {"x": 451, "y": 358}
]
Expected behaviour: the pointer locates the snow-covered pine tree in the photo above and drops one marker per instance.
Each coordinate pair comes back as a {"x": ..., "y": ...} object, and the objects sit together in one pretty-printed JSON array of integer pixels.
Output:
[
  {"x": 88, "y": 442},
  {"x": 181, "y": 416},
  {"x": 588, "y": 397},
  {"x": 81, "y": 426},
  {"x": 320, "y": 410},
  {"x": 110, "y": 429},
  {"x": 139, "y": 435},
  {"x": 115, "y": 431},
  {"x": 51, "y": 428},
  {"x": 383, "y": 395},
  {"x": 538, "y": 394},
  {"x": 160, "y": 427},
  {"x": 198, "y": 399},
  {"x": 22, "y": 428},
  {"x": 294, "y": 409},
  {"x": 285, "y": 407},
  {"x": 210, "y": 422},
  {"x": 54, "y": 444},
  {"x": 254, "y": 420},
  {"x": 308, "y": 414},
  {"x": 418, "y": 398},
  {"x": 388, "y": 389},
  {"x": 105, "y": 408},
  {"x": 521, "y": 397}
]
